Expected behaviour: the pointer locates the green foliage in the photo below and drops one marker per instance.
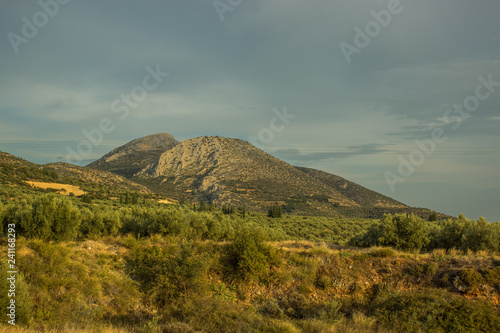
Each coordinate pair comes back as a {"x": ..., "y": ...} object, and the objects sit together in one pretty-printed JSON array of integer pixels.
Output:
[
  {"x": 86, "y": 199},
  {"x": 274, "y": 211},
  {"x": 435, "y": 311},
  {"x": 383, "y": 252},
  {"x": 228, "y": 210},
  {"x": 48, "y": 217},
  {"x": 405, "y": 232},
  {"x": 461, "y": 233},
  {"x": 20, "y": 294},
  {"x": 171, "y": 272},
  {"x": 248, "y": 255},
  {"x": 469, "y": 280},
  {"x": 298, "y": 306},
  {"x": 100, "y": 223},
  {"x": 16, "y": 174},
  {"x": 401, "y": 231},
  {"x": 68, "y": 286}
]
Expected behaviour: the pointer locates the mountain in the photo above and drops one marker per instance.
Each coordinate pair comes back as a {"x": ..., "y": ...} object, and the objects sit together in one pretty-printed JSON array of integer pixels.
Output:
[
  {"x": 14, "y": 160},
  {"x": 131, "y": 158},
  {"x": 233, "y": 172}
]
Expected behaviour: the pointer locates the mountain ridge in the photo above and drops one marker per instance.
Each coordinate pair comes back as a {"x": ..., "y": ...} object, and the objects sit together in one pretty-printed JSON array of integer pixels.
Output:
[
  {"x": 132, "y": 157},
  {"x": 226, "y": 171}
]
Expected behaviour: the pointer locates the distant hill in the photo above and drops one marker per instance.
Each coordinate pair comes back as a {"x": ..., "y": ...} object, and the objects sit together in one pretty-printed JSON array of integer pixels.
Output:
[
  {"x": 131, "y": 158},
  {"x": 16, "y": 171},
  {"x": 216, "y": 170},
  {"x": 95, "y": 177},
  {"x": 14, "y": 160}
]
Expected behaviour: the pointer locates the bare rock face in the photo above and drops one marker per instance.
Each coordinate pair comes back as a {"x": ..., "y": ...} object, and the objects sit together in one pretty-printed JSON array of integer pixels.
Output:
[{"x": 135, "y": 155}]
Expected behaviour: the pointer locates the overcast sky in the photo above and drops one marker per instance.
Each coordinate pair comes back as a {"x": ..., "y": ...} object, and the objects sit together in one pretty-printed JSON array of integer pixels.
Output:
[{"x": 350, "y": 103}]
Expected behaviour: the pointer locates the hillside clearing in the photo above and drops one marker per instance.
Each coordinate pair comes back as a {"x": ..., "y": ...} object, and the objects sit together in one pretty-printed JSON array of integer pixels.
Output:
[{"x": 63, "y": 189}]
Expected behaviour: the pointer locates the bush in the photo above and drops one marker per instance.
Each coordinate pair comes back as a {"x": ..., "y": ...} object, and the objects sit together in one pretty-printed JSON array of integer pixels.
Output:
[
  {"x": 100, "y": 223},
  {"x": 296, "y": 305},
  {"x": 405, "y": 232},
  {"x": 469, "y": 280},
  {"x": 70, "y": 287},
  {"x": 437, "y": 312},
  {"x": 23, "y": 302},
  {"x": 383, "y": 253},
  {"x": 170, "y": 272},
  {"x": 248, "y": 255},
  {"x": 49, "y": 217},
  {"x": 461, "y": 233}
]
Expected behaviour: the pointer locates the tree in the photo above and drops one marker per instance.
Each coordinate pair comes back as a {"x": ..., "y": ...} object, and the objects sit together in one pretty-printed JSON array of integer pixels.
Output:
[
  {"x": 433, "y": 217},
  {"x": 249, "y": 255},
  {"x": 405, "y": 232},
  {"x": 242, "y": 212},
  {"x": 274, "y": 211},
  {"x": 49, "y": 217}
]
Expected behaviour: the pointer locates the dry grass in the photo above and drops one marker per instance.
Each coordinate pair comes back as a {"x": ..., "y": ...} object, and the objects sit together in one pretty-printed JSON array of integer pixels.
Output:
[
  {"x": 66, "y": 329},
  {"x": 64, "y": 189}
]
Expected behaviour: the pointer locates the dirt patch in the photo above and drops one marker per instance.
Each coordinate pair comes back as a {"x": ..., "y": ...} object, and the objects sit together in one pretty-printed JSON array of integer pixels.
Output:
[
  {"x": 64, "y": 189},
  {"x": 166, "y": 201}
]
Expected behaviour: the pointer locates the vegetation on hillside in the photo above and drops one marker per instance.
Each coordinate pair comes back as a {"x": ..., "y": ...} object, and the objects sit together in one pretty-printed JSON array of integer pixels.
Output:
[{"x": 116, "y": 260}]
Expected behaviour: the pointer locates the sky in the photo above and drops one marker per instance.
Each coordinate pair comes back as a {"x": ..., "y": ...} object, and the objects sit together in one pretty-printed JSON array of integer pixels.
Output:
[{"x": 402, "y": 97}]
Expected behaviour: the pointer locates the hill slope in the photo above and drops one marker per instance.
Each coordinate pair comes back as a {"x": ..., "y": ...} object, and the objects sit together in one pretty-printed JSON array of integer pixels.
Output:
[
  {"x": 15, "y": 171},
  {"x": 231, "y": 171},
  {"x": 135, "y": 155},
  {"x": 14, "y": 160},
  {"x": 94, "y": 177}
]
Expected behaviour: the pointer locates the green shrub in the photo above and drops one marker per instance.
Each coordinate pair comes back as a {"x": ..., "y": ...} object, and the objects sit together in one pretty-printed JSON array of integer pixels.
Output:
[
  {"x": 216, "y": 315},
  {"x": 437, "y": 312},
  {"x": 170, "y": 272},
  {"x": 23, "y": 301},
  {"x": 383, "y": 252},
  {"x": 99, "y": 223},
  {"x": 323, "y": 282},
  {"x": 48, "y": 217},
  {"x": 296, "y": 305},
  {"x": 70, "y": 287},
  {"x": 431, "y": 269},
  {"x": 469, "y": 280},
  {"x": 405, "y": 232},
  {"x": 249, "y": 255},
  {"x": 492, "y": 277},
  {"x": 461, "y": 233}
]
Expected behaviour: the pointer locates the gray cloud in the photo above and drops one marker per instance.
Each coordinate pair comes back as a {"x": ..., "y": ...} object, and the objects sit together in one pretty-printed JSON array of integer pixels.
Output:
[
  {"x": 297, "y": 156},
  {"x": 226, "y": 77}
]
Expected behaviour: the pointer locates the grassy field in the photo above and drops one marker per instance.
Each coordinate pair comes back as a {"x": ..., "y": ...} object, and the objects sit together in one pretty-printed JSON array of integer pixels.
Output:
[
  {"x": 63, "y": 189},
  {"x": 167, "y": 284}
]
